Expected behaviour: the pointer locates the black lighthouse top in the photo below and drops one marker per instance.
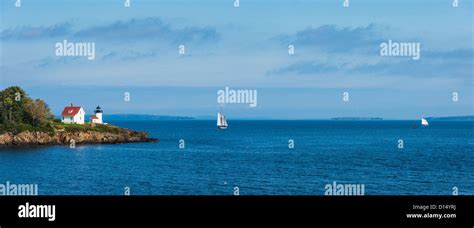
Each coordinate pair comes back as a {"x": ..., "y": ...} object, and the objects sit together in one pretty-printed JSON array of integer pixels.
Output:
[{"x": 98, "y": 110}]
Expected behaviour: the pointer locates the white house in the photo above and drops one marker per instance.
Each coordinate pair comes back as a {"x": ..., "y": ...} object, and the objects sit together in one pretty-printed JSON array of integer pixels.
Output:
[
  {"x": 97, "y": 118},
  {"x": 73, "y": 115}
]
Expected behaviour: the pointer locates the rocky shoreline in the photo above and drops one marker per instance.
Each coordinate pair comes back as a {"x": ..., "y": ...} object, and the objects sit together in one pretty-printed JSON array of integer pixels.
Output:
[{"x": 28, "y": 138}]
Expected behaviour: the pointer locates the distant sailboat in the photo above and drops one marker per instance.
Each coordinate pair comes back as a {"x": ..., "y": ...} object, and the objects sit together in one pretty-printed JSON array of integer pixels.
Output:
[
  {"x": 221, "y": 121},
  {"x": 424, "y": 122}
]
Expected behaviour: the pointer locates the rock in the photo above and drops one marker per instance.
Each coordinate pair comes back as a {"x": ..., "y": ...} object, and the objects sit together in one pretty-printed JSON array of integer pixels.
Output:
[{"x": 64, "y": 138}]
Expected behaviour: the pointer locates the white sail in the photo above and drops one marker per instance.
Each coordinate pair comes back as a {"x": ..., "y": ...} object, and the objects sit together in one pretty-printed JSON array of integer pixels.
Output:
[
  {"x": 424, "y": 122},
  {"x": 221, "y": 121},
  {"x": 225, "y": 121}
]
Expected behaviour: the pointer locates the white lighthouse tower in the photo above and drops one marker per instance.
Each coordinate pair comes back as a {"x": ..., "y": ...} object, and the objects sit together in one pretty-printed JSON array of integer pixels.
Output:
[{"x": 97, "y": 118}]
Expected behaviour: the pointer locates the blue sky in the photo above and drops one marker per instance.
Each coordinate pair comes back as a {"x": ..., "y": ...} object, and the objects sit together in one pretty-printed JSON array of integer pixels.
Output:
[{"x": 336, "y": 50}]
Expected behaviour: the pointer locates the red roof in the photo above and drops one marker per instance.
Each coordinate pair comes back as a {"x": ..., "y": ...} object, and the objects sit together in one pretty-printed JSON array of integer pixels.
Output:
[
  {"x": 70, "y": 110},
  {"x": 94, "y": 117}
]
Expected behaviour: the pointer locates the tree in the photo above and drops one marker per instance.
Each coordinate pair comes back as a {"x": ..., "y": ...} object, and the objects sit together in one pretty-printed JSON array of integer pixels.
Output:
[
  {"x": 12, "y": 100},
  {"x": 17, "y": 107},
  {"x": 37, "y": 111}
]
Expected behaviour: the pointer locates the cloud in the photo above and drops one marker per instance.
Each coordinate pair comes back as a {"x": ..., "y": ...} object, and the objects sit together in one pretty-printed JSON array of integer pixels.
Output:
[
  {"x": 149, "y": 28},
  {"x": 336, "y": 39},
  {"x": 452, "y": 54},
  {"x": 305, "y": 67},
  {"x": 50, "y": 61},
  {"x": 456, "y": 63},
  {"x": 355, "y": 50},
  {"x": 425, "y": 68},
  {"x": 31, "y": 32},
  {"x": 129, "y": 55}
]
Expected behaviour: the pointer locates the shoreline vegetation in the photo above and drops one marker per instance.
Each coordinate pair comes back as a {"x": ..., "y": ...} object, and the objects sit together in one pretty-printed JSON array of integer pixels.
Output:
[{"x": 25, "y": 121}]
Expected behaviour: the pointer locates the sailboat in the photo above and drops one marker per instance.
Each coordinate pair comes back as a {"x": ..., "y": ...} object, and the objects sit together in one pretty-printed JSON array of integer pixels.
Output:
[
  {"x": 424, "y": 122},
  {"x": 221, "y": 121}
]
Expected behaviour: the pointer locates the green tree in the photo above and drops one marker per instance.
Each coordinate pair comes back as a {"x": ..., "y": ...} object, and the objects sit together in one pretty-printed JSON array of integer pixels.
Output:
[
  {"x": 18, "y": 112},
  {"x": 13, "y": 99},
  {"x": 37, "y": 112}
]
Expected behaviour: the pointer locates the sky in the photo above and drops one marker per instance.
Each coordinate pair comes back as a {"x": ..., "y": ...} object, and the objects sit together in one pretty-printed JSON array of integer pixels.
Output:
[{"x": 336, "y": 50}]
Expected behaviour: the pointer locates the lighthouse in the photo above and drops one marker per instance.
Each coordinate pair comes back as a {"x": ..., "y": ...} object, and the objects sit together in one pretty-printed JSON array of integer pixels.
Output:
[{"x": 97, "y": 118}]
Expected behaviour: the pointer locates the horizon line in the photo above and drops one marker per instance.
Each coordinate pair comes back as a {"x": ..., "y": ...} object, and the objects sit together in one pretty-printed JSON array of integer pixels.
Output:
[{"x": 343, "y": 118}]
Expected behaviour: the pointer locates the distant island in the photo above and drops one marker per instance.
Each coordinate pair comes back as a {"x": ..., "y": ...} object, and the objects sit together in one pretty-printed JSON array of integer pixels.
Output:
[
  {"x": 356, "y": 118},
  {"x": 144, "y": 117},
  {"x": 452, "y": 118},
  {"x": 27, "y": 121},
  {"x": 446, "y": 118}
]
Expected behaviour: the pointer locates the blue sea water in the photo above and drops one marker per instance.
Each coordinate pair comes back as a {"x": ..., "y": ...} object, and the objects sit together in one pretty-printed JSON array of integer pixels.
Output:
[{"x": 254, "y": 156}]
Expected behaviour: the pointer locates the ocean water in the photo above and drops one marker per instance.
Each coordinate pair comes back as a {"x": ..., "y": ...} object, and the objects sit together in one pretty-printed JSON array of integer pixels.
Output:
[{"x": 254, "y": 156}]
